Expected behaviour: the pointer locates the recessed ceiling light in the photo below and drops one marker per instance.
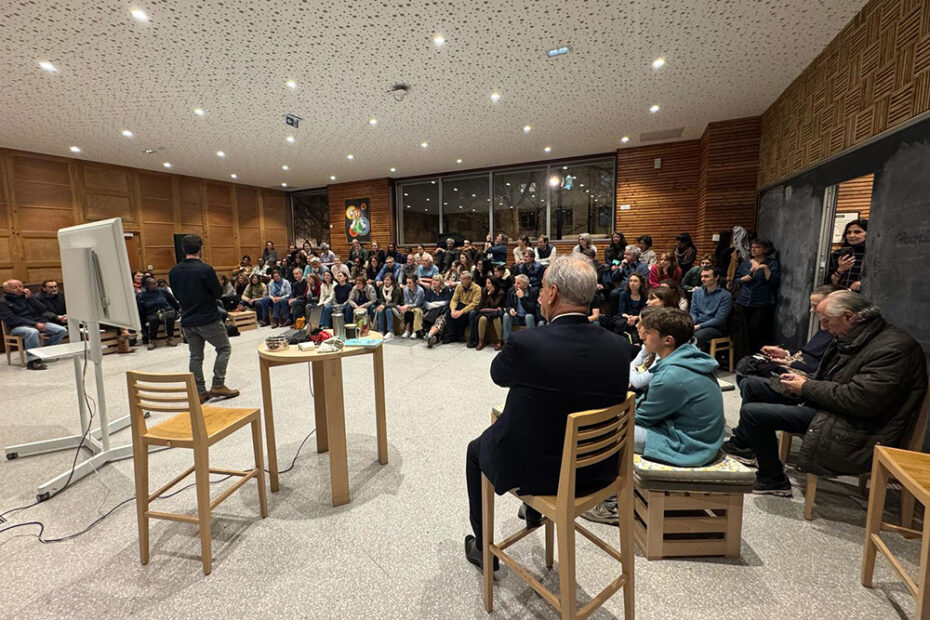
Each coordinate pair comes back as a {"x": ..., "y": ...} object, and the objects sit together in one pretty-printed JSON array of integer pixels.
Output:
[
  {"x": 625, "y": 139},
  {"x": 47, "y": 66},
  {"x": 198, "y": 111},
  {"x": 472, "y": 195},
  {"x": 75, "y": 149},
  {"x": 564, "y": 167},
  {"x": 291, "y": 84},
  {"x": 559, "y": 51},
  {"x": 455, "y": 189},
  {"x": 127, "y": 133},
  {"x": 139, "y": 15},
  {"x": 233, "y": 176},
  {"x": 424, "y": 144},
  {"x": 527, "y": 129},
  {"x": 350, "y": 156},
  {"x": 166, "y": 164},
  {"x": 290, "y": 139},
  {"x": 458, "y": 161},
  {"x": 332, "y": 177},
  {"x": 393, "y": 169},
  {"x": 284, "y": 185},
  {"x": 495, "y": 97},
  {"x": 547, "y": 149},
  {"x": 148, "y": 151},
  {"x": 221, "y": 154},
  {"x": 285, "y": 167},
  {"x": 439, "y": 40},
  {"x": 654, "y": 108},
  {"x": 372, "y": 121},
  {"x": 427, "y": 200},
  {"x": 508, "y": 184},
  {"x": 658, "y": 63},
  {"x": 433, "y": 182}
]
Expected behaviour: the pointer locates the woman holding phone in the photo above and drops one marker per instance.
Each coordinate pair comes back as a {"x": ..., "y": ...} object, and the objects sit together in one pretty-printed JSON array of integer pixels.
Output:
[{"x": 846, "y": 263}]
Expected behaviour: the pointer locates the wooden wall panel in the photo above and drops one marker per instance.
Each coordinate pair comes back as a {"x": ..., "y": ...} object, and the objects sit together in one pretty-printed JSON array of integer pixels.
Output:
[
  {"x": 855, "y": 196},
  {"x": 250, "y": 223},
  {"x": 663, "y": 202},
  {"x": 40, "y": 194},
  {"x": 381, "y": 214},
  {"x": 273, "y": 207},
  {"x": 874, "y": 75},
  {"x": 728, "y": 173}
]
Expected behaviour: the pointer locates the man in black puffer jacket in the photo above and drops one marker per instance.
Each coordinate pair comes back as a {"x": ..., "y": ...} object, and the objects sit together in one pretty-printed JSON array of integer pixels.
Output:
[{"x": 866, "y": 391}]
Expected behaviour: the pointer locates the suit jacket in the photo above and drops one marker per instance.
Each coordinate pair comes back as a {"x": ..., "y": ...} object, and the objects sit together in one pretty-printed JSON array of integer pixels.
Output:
[{"x": 551, "y": 371}]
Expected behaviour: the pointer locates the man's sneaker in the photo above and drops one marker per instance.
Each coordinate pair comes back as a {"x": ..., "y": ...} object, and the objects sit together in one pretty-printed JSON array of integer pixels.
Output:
[
  {"x": 406, "y": 335},
  {"x": 36, "y": 365},
  {"x": 150, "y": 346},
  {"x": 389, "y": 336},
  {"x": 602, "y": 513},
  {"x": 430, "y": 342},
  {"x": 172, "y": 342},
  {"x": 765, "y": 486},
  {"x": 221, "y": 391},
  {"x": 744, "y": 455}
]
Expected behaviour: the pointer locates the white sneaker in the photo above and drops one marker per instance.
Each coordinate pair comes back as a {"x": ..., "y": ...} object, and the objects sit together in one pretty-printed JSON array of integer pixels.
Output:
[
  {"x": 389, "y": 336},
  {"x": 405, "y": 335}
]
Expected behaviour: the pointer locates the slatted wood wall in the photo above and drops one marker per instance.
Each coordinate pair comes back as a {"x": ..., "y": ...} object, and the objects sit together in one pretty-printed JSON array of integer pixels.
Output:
[
  {"x": 663, "y": 202},
  {"x": 41, "y": 193},
  {"x": 872, "y": 76},
  {"x": 855, "y": 196},
  {"x": 382, "y": 216},
  {"x": 729, "y": 168}
]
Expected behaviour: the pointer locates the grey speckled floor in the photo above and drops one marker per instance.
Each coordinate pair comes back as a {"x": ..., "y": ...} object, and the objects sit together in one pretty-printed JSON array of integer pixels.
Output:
[{"x": 396, "y": 550}]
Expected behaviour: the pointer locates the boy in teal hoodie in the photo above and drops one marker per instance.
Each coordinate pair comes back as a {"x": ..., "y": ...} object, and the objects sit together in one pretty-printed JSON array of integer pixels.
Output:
[{"x": 679, "y": 421}]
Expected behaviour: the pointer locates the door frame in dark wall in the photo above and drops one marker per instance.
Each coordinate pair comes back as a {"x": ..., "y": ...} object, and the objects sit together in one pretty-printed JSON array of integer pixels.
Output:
[{"x": 870, "y": 157}]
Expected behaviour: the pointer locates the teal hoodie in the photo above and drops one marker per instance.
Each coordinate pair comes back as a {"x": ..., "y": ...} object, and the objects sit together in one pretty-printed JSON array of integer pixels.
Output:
[{"x": 683, "y": 410}]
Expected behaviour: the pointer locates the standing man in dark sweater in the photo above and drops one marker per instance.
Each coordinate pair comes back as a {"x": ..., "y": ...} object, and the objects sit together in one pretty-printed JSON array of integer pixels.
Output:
[{"x": 197, "y": 288}]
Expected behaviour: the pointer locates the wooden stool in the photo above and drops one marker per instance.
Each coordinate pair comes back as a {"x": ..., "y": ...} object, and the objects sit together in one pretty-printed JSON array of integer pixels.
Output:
[
  {"x": 689, "y": 511},
  {"x": 912, "y": 470},
  {"x": 722, "y": 345},
  {"x": 13, "y": 343},
  {"x": 244, "y": 320}
]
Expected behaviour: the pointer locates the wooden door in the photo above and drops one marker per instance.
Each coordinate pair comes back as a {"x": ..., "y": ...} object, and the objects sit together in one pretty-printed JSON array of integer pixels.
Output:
[{"x": 134, "y": 250}]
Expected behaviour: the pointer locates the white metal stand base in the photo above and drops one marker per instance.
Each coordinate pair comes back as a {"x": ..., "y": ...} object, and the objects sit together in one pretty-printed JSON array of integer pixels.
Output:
[{"x": 97, "y": 440}]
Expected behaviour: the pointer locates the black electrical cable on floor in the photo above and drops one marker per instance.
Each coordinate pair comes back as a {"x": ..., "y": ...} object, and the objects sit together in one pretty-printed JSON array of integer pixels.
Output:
[{"x": 97, "y": 521}]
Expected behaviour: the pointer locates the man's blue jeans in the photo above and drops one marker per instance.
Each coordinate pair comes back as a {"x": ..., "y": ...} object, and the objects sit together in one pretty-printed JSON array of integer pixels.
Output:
[
  {"x": 30, "y": 335},
  {"x": 528, "y": 320}
]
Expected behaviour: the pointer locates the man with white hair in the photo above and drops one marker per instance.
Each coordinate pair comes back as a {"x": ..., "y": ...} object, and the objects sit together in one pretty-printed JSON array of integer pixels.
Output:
[
  {"x": 26, "y": 317},
  {"x": 866, "y": 391},
  {"x": 552, "y": 372}
]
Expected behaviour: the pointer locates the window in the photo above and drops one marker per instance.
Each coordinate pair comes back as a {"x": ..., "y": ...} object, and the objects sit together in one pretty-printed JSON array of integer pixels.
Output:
[
  {"x": 418, "y": 211},
  {"x": 582, "y": 200},
  {"x": 311, "y": 217},
  {"x": 465, "y": 207},
  {"x": 520, "y": 203}
]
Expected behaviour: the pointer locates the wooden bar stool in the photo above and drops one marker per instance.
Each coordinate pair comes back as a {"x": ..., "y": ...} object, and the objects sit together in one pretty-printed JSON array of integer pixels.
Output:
[
  {"x": 590, "y": 438},
  {"x": 194, "y": 426},
  {"x": 912, "y": 470},
  {"x": 722, "y": 345}
]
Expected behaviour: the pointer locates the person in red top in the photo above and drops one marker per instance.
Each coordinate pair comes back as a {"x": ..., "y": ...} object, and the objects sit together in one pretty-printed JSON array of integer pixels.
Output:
[{"x": 665, "y": 269}]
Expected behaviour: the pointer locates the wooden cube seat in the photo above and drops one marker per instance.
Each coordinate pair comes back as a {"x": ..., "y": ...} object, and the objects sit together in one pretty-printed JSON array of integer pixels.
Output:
[
  {"x": 244, "y": 319},
  {"x": 689, "y": 511}
]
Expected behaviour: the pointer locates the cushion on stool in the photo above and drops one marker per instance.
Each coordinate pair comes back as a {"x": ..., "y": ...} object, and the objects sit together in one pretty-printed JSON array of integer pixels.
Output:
[{"x": 723, "y": 472}]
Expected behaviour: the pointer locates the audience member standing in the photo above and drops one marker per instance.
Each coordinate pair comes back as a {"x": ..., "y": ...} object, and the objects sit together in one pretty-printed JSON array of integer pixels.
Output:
[
  {"x": 197, "y": 288},
  {"x": 758, "y": 280},
  {"x": 846, "y": 262},
  {"x": 269, "y": 253}
]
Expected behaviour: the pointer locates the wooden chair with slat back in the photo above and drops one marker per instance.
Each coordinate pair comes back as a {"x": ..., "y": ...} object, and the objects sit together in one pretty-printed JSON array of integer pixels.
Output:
[
  {"x": 590, "y": 438},
  {"x": 913, "y": 441},
  {"x": 9, "y": 341},
  {"x": 193, "y": 426}
]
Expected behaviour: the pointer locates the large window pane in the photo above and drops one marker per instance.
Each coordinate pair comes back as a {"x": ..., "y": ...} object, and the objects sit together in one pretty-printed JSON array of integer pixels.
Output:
[
  {"x": 582, "y": 200},
  {"x": 520, "y": 203},
  {"x": 419, "y": 212},
  {"x": 465, "y": 207}
]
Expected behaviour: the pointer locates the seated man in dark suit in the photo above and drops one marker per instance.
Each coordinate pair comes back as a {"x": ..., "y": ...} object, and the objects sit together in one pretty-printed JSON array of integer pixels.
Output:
[{"x": 551, "y": 372}]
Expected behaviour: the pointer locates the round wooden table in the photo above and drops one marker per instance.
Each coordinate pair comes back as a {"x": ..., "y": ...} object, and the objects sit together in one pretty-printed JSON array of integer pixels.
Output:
[{"x": 329, "y": 409}]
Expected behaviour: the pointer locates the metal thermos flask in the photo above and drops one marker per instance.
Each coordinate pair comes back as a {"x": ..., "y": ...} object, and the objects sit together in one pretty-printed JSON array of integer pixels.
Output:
[{"x": 339, "y": 326}]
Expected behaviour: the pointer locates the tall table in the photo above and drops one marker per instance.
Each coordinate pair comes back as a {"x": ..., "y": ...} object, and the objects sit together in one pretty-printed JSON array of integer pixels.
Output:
[{"x": 329, "y": 409}]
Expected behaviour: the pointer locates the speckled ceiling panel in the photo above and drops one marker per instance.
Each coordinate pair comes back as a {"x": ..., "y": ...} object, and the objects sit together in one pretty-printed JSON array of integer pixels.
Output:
[{"x": 726, "y": 59}]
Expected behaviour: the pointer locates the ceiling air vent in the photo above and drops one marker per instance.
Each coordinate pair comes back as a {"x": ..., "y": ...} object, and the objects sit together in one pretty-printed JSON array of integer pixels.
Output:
[{"x": 665, "y": 134}]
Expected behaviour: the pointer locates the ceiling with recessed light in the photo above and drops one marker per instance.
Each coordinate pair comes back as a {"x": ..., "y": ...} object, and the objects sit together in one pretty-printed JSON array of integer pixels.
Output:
[{"x": 246, "y": 64}]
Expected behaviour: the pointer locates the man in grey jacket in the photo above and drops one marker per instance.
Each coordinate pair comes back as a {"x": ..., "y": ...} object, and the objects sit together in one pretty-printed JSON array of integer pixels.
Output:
[{"x": 866, "y": 391}]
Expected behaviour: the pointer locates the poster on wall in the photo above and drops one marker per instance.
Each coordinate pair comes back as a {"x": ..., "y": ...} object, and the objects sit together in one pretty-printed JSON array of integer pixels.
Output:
[{"x": 358, "y": 220}]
